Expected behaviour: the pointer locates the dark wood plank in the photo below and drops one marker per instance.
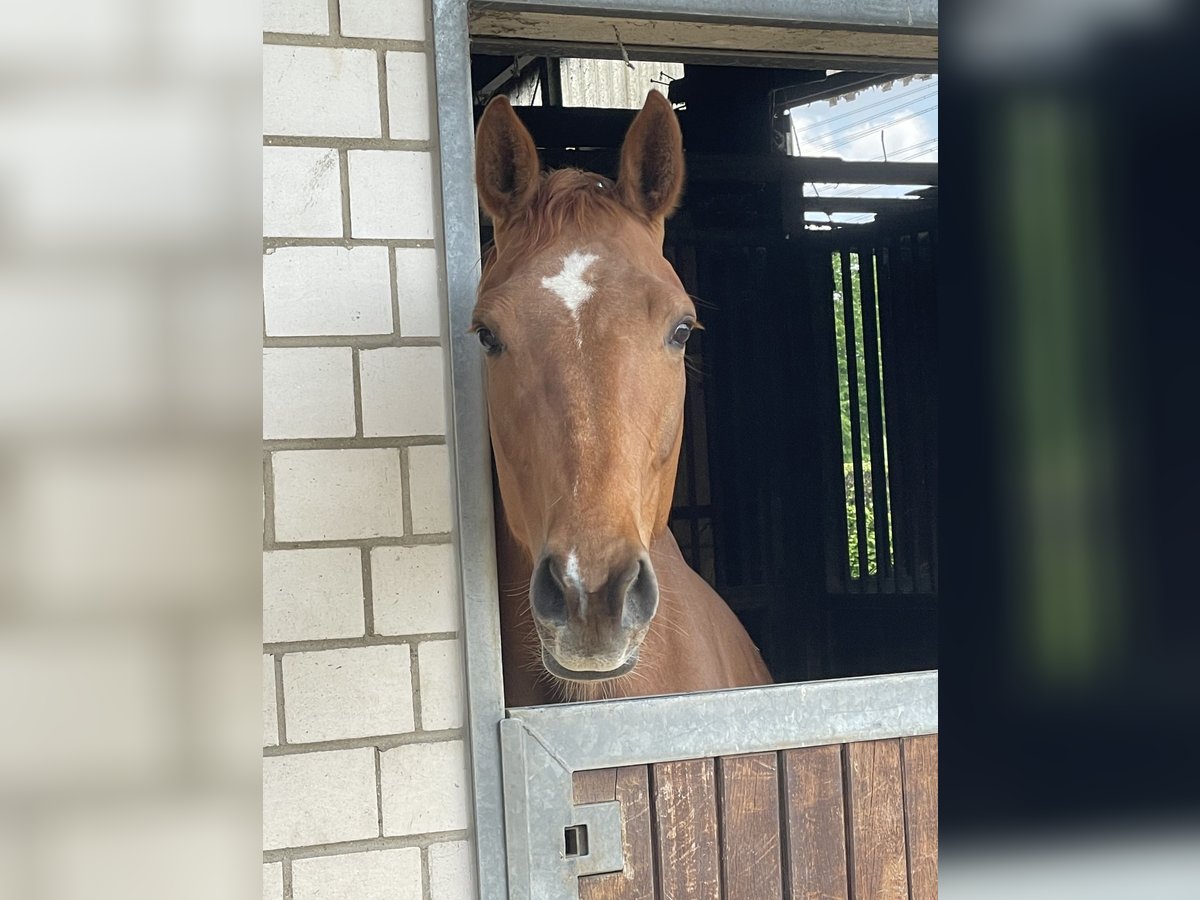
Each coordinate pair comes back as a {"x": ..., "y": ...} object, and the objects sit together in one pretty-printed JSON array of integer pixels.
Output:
[
  {"x": 878, "y": 863},
  {"x": 920, "y": 767},
  {"x": 748, "y": 800},
  {"x": 685, "y": 820},
  {"x": 636, "y": 881},
  {"x": 815, "y": 824},
  {"x": 595, "y": 785}
]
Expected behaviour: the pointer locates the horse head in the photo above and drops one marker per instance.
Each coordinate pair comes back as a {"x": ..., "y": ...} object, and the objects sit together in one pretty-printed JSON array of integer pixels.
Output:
[{"x": 583, "y": 323}]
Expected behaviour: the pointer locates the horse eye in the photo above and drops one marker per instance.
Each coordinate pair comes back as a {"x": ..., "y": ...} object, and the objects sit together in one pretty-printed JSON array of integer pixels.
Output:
[
  {"x": 488, "y": 339},
  {"x": 682, "y": 332}
]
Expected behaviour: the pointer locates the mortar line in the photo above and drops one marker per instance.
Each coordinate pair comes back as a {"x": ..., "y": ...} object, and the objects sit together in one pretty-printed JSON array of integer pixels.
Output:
[
  {"x": 411, "y": 540},
  {"x": 268, "y": 501},
  {"x": 287, "y": 879},
  {"x": 405, "y": 492},
  {"x": 344, "y": 173},
  {"x": 345, "y": 42},
  {"x": 343, "y": 443},
  {"x": 271, "y": 243},
  {"x": 393, "y": 842},
  {"x": 335, "y": 19},
  {"x": 368, "y": 589},
  {"x": 397, "y": 335},
  {"x": 379, "y": 790},
  {"x": 385, "y": 125},
  {"x": 280, "y": 718},
  {"x": 363, "y": 342},
  {"x": 414, "y": 667},
  {"x": 356, "y": 388},
  {"x": 426, "y": 877},
  {"x": 336, "y": 142},
  {"x": 352, "y": 643},
  {"x": 379, "y": 742}
]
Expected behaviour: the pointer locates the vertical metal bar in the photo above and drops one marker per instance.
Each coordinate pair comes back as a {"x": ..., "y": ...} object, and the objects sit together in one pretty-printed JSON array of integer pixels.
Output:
[
  {"x": 552, "y": 95},
  {"x": 467, "y": 440},
  {"x": 855, "y": 425},
  {"x": 897, "y": 425},
  {"x": 866, "y": 280},
  {"x": 821, "y": 285}
]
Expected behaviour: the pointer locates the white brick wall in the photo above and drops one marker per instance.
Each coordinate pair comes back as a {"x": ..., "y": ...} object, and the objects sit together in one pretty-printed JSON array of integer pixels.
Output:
[
  {"x": 352, "y": 692},
  {"x": 319, "y": 798},
  {"x": 379, "y": 875},
  {"x": 408, "y": 96},
  {"x": 384, "y": 19},
  {"x": 400, "y": 573},
  {"x": 302, "y": 194},
  {"x": 312, "y": 594},
  {"x": 402, "y": 391},
  {"x": 365, "y": 771},
  {"x": 429, "y": 488},
  {"x": 417, "y": 287},
  {"x": 321, "y": 91},
  {"x": 273, "y": 881},
  {"x": 323, "y": 495},
  {"x": 424, "y": 788},
  {"x": 308, "y": 392},
  {"x": 333, "y": 290},
  {"x": 270, "y": 710},
  {"x": 296, "y": 16},
  {"x": 391, "y": 194},
  {"x": 441, "y": 684}
]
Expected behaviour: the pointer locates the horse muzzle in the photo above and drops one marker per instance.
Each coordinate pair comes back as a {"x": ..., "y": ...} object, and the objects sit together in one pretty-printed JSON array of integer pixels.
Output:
[{"x": 592, "y": 635}]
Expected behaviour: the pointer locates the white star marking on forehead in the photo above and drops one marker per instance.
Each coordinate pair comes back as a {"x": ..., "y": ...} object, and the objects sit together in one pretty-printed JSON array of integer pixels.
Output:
[{"x": 569, "y": 285}]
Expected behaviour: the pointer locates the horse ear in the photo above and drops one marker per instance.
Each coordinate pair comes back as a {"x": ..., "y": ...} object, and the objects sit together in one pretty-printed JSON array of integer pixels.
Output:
[
  {"x": 507, "y": 170},
  {"x": 651, "y": 177}
]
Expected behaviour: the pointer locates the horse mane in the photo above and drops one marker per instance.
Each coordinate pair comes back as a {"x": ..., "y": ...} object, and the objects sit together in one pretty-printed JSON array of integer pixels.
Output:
[{"x": 566, "y": 200}]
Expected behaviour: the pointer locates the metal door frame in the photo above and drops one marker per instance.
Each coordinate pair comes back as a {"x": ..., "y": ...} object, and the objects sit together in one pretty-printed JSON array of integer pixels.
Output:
[
  {"x": 545, "y": 745},
  {"x": 470, "y": 455}
]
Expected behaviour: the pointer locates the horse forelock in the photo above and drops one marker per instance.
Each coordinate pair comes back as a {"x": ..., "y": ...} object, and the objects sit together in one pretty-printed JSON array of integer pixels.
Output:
[{"x": 568, "y": 202}]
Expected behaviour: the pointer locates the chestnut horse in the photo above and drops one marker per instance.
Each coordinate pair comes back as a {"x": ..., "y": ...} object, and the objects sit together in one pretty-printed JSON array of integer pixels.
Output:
[{"x": 584, "y": 322}]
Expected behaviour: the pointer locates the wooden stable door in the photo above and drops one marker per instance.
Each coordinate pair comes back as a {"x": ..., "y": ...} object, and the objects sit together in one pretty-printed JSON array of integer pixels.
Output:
[
  {"x": 809, "y": 822},
  {"x": 802, "y": 817}
]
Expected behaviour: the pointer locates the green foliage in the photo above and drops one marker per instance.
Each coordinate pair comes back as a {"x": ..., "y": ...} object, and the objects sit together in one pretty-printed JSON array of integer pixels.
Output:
[{"x": 847, "y": 425}]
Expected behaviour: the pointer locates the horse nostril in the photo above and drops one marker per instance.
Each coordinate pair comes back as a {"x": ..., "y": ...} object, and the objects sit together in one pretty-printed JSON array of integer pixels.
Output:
[
  {"x": 546, "y": 593},
  {"x": 641, "y": 594}
]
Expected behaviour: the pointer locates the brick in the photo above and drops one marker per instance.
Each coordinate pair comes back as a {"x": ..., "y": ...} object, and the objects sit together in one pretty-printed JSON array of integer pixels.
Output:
[
  {"x": 403, "y": 391},
  {"x": 312, "y": 594},
  {"x": 319, "y": 798},
  {"x": 269, "y": 710},
  {"x": 408, "y": 96},
  {"x": 376, "y": 875},
  {"x": 325, "y": 495},
  {"x": 440, "y": 665},
  {"x": 353, "y": 692},
  {"x": 308, "y": 392},
  {"x": 272, "y": 881},
  {"x": 415, "y": 589},
  {"x": 322, "y": 91},
  {"x": 429, "y": 484},
  {"x": 328, "y": 291},
  {"x": 398, "y": 19},
  {"x": 391, "y": 194},
  {"x": 420, "y": 298},
  {"x": 302, "y": 192},
  {"x": 451, "y": 873},
  {"x": 424, "y": 788},
  {"x": 296, "y": 16}
]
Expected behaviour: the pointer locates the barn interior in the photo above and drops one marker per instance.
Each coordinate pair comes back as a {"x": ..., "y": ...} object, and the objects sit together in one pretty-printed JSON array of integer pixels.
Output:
[{"x": 807, "y": 485}]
